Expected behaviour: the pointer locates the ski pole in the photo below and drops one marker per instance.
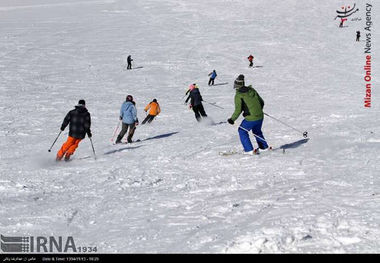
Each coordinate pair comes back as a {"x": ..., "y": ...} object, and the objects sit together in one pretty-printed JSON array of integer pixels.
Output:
[
  {"x": 257, "y": 136},
  {"x": 114, "y": 133},
  {"x": 54, "y": 141},
  {"x": 93, "y": 150},
  {"x": 213, "y": 104},
  {"x": 303, "y": 133}
]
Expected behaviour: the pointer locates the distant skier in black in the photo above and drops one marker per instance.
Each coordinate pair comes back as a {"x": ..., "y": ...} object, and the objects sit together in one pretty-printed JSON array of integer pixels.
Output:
[
  {"x": 212, "y": 77},
  {"x": 129, "y": 60},
  {"x": 357, "y": 35},
  {"x": 196, "y": 102}
]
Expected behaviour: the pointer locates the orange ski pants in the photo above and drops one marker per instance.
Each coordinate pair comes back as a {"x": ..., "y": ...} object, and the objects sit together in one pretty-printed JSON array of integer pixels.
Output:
[{"x": 68, "y": 147}]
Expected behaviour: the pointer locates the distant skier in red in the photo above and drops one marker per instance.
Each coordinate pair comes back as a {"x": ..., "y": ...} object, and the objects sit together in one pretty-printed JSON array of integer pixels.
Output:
[{"x": 250, "y": 59}]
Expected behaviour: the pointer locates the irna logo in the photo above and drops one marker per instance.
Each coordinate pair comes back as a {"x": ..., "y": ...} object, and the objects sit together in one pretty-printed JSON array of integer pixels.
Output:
[{"x": 38, "y": 244}]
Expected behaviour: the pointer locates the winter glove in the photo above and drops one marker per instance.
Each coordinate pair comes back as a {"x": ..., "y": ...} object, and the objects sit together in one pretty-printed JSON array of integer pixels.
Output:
[
  {"x": 190, "y": 106},
  {"x": 89, "y": 134},
  {"x": 230, "y": 121},
  {"x": 62, "y": 129},
  {"x": 120, "y": 118}
]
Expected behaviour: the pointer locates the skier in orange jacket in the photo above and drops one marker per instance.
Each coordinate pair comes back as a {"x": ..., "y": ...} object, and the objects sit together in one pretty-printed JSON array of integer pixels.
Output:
[{"x": 154, "y": 110}]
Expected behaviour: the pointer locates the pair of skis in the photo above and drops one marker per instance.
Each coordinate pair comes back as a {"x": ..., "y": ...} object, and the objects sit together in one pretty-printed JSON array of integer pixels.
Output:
[
  {"x": 123, "y": 143},
  {"x": 255, "y": 152}
]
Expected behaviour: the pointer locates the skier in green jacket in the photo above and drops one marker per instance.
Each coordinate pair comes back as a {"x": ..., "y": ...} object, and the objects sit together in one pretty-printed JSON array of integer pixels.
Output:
[{"x": 248, "y": 101}]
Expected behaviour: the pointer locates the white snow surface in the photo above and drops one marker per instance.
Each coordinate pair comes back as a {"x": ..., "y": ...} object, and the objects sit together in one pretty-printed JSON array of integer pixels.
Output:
[{"x": 172, "y": 192}]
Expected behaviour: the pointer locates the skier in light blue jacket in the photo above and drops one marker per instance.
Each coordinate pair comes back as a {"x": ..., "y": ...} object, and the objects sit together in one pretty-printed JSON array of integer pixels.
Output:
[{"x": 128, "y": 115}]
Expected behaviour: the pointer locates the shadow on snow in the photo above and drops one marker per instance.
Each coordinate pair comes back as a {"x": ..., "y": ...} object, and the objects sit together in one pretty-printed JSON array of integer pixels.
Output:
[
  {"x": 220, "y": 84},
  {"x": 135, "y": 147},
  {"x": 123, "y": 149},
  {"x": 294, "y": 144},
  {"x": 219, "y": 123},
  {"x": 160, "y": 136}
]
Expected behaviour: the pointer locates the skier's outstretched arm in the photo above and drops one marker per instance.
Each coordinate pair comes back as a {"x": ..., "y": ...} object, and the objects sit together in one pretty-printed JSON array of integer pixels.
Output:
[
  {"x": 66, "y": 121},
  {"x": 122, "y": 112},
  {"x": 87, "y": 126},
  {"x": 147, "y": 107},
  {"x": 187, "y": 99},
  {"x": 238, "y": 109}
]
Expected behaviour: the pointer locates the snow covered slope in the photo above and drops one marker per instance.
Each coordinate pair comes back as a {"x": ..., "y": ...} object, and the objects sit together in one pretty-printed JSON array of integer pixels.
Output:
[{"x": 173, "y": 192}]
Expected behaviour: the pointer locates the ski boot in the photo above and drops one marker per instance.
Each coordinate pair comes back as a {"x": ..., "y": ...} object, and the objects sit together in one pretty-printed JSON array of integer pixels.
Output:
[
  {"x": 258, "y": 150},
  {"x": 67, "y": 157}
]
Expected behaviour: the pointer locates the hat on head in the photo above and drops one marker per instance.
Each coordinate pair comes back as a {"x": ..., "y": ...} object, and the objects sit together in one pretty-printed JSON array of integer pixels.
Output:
[
  {"x": 154, "y": 100},
  {"x": 81, "y": 103},
  {"x": 239, "y": 82},
  {"x": 129, "y": 98},
  {"x": 191, "y": 87}
]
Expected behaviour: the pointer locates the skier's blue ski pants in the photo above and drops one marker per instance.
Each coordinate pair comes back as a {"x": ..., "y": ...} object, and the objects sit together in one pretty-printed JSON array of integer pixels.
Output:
[{"x": 255, "y": 126}]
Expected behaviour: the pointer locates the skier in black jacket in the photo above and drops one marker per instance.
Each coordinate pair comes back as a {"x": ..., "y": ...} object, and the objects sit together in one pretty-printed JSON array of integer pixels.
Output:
[
  {"x": 357, "y": 35},
  {"x": 79, "y": 121},
  {"x": 196, "y": 102},
  {"x": 129, "y": 60}
]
